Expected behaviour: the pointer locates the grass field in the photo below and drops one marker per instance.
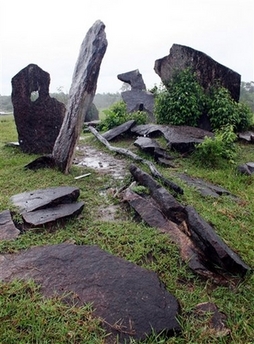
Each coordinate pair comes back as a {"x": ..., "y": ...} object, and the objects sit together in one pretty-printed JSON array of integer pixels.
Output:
[{"x": 25, "y": 317}]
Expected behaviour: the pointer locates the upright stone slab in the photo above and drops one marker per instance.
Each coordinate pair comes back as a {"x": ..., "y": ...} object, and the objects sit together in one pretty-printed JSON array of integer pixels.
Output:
[
  {"x": 208, "y": 70},
  {"x": 138, "y": 98},
  {"x": 82, "y": 91},
  {"x": 38, "y": 122}
]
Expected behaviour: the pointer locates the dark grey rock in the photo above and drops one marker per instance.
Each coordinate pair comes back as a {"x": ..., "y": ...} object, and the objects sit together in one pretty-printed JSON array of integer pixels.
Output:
[
  {"x": 204, "y": 187},
  {"x": 42, "y": 198},
  {"x": 121, "y": 292},
  {"x": 212, "y": 245},
  {"x": 208, "y": 71},
  {"x": 247, "y": 169},
  {"x": 82, "y": 91},
  {"x": 38, "y": 122},
  {"x": 51, "y": 214},
  {"x": 119, "y": 130},
  {"x": 152, "y": 147},
  {"x": 8, "y": 230},
  {"x": 247, "y": 136},
  {"x": 137, "y": 99},
  {"x": 200, "y": 247},
  {"x": 180, "y": 138},
  {"x": 134, "y": 79}
]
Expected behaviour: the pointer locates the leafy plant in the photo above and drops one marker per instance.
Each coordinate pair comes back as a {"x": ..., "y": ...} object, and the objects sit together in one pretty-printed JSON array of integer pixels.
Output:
[
  {"x": 223, "y": 110},
  {"x": 213, "y": 151},
  {"x": 117, "y": 114},
  {"x": 182, "y": 102}
]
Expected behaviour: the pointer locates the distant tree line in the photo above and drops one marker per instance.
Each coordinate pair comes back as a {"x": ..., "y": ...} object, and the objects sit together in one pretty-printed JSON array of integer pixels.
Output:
[{"x": 105, "y": 100}]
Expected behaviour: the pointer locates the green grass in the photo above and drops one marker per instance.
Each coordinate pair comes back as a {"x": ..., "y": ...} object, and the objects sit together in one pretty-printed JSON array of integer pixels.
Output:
[{"x": 23, "y": 310}]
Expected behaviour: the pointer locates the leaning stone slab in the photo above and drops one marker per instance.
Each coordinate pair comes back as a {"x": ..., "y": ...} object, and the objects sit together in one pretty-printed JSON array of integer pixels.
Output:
[
  {"x": 82, "y": 91},
  {"x": 42, "y": 198},
  {"x": 212, "y": 245},
  {"x": 48, "y": 215},
  {"x": 130, "y": 301},
  {"x": 119, "y": 130},
  {"x": 208, "y": 71},
  {"x": 8, "y": 230}
]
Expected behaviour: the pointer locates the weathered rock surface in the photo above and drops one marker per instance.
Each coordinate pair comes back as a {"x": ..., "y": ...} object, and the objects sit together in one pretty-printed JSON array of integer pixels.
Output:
[
  {"x": 137, "y": 99},
  {"x": 38, "y": 122},
  {"x": 82, "y": 91},
  {"x": 208, "y": 71},
  {"x": 247, "y": 169},
  {"x": 42, "y": 198},
  {"x": 8, "y": 230},
  {"x": 214, "y": 321},
  {"x": 119, "y": 130},
  {"x": 205, "y": 188},
  {"x": 200, "y": 247},
  {"x": 152, "y": 147},
  {"x": 134, "y": 79},
  {"x": 180, "y": 138},
  {"x": 247, "y": 136},
  {"x": 130, "y": 300},
  {"x": 49, "y": 215},
  {"x": 43, "y": 206}
]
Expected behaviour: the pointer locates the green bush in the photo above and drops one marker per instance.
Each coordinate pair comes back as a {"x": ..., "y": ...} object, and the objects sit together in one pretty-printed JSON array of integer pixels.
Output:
[
  {"x": 182, "y": 102},
  {"x": 214, "y": 151},
  {"x": 223, "y": 110},
  {"x": 117, "y": 114}
]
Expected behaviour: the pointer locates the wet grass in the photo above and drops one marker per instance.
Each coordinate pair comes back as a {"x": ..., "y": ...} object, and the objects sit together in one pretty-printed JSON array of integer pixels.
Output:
[{"x": 26, "y": 317}]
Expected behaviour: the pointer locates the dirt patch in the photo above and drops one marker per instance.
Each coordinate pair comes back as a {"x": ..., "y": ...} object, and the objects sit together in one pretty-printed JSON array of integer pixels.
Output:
[
  {"x": 104, "y": 163},
  {"x": 108, "y": 164}
]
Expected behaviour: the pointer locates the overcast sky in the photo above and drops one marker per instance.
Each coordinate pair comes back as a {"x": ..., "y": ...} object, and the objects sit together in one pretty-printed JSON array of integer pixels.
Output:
[{"x": 49, "y": 33}]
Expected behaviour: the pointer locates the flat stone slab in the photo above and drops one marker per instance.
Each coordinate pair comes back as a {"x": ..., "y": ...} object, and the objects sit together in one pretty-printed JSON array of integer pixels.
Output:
[
  {"x": 42, "y": 198},
  {"x": 119, "y": 130},
  {"x": 47, "y": 215},
  {"x": 180, "y": 138},
  {"x": 205, "y": 188},
  {"x": 130, "y": 300},
  {"x": 8, "y": 230}
]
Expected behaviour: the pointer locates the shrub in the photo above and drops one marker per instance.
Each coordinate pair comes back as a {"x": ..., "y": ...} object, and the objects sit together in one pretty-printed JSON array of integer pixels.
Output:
[
  {"x": 117, "y": 114},
  {"x": 223, "y": 110},
  {"x": 182, "y": 102},
  {"x": 213, "y": 151}
]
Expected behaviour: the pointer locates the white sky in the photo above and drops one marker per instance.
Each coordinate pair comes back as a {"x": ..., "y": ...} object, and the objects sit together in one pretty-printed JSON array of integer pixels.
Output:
[{"x": 49, "y": 33}]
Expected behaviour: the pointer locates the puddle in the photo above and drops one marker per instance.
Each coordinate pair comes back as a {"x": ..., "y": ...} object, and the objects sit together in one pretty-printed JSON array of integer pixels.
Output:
[{"x": 105, "y": 163}]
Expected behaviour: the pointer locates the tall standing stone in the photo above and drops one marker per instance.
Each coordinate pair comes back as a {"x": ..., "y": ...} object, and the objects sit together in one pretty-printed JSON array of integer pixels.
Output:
[
  {"x": 38, "y": 122},
  {"x": 82, "y": 91},
  {"x": 208, "y": 71}
]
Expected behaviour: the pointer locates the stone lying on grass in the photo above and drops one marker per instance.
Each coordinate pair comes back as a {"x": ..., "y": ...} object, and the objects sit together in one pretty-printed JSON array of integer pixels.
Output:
[
  {"x": 39, "y": 207},
  {"x": 119, "y": 130},
  {"x": 130, "y": 300},
  {"x": 179, "y": 138},
  {"x": 200, "y": 247},
  {"x": 205, "y": 188},
  {"x": 8, "y": 230},
  {"x": 152, "y": 147},
  {"x": 247, "y": 169}
]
